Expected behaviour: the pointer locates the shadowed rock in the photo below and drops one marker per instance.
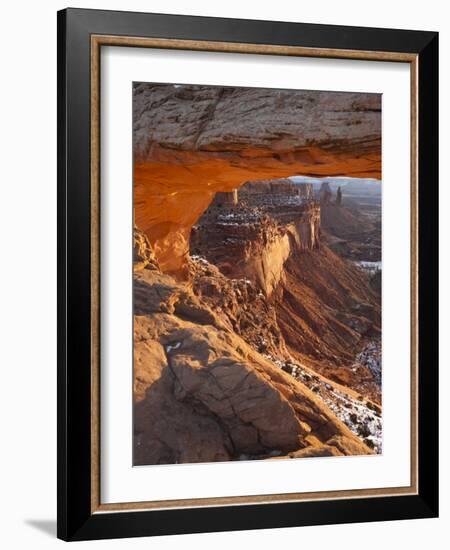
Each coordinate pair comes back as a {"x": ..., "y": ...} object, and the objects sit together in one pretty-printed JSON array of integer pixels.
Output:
[{"x": 203, "y": 394}]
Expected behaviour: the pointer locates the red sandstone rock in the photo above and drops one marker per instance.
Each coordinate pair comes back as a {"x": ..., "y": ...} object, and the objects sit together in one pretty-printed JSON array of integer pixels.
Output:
[
  {"x": 323, "y": 307},
  {"x": 252, "y": 237},
  {"x": 203, "y": 389},
  {"x": 203, "y": 394},
  {"x": 193, "y": 141},
  {"x": 143, "y": 256}
]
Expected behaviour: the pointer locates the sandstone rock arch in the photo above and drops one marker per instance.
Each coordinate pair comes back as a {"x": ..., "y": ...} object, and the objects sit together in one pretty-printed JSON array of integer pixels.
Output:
[{"x": 193, "y": 141}]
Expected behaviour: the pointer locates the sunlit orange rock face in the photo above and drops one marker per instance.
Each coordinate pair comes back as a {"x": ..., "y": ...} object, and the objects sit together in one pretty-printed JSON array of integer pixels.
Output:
[{"x": 193, "y": 141}]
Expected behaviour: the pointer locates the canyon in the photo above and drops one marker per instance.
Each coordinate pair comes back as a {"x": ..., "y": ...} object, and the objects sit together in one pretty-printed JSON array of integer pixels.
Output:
[
  {"x": 269, "y": 234},
  {"x": 257, "y": 307}
]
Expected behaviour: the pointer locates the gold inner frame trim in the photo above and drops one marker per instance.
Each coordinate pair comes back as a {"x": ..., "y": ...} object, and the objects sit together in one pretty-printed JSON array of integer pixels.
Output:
[{"x": 97, "y": 41}]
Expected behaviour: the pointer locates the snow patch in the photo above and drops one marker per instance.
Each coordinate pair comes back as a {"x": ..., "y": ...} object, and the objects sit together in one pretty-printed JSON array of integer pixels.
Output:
[
  {"x": 173, "y": 346},
  {"x": 369, "y": 267},
  {"x": 361, "y": 416}
]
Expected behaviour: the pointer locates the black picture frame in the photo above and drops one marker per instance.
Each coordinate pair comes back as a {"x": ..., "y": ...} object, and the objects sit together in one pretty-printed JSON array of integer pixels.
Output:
[{"x": 75, "y": 518}]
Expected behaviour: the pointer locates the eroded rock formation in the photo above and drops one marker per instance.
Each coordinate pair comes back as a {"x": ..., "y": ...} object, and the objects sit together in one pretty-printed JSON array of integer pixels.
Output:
[
  {"x": 321, "y": 306},
  {"x": 193, "y": 141},
  {"x": 253, "y": 338},
  {"x": 253, "y": 237},
  {"x": 203, "y": 394}
]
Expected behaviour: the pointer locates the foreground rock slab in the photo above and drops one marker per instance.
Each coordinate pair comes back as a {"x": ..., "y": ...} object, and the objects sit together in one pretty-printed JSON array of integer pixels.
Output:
[{"x": 203, "y": 394}]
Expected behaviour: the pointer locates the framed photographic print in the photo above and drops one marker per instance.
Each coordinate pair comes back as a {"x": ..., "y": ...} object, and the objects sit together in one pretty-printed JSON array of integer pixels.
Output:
[{"x": 247, "y": 274}]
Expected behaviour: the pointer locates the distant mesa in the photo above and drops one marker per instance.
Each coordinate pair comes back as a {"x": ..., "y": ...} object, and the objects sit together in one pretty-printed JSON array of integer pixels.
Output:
[{"x": 325, "y": 193}]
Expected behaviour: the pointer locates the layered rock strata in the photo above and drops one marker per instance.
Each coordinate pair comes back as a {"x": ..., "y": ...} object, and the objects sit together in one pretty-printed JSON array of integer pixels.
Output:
[
  {"x": 254, "y": 237},
  {"x": 323, "y": 307}
]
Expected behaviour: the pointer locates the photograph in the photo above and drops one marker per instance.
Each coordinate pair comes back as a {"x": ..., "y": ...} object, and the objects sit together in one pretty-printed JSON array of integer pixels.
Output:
[
  {"x": 247, "y": 273},
  {"x": 257, "y": 274},
  {"x": 223, "y": 282}
]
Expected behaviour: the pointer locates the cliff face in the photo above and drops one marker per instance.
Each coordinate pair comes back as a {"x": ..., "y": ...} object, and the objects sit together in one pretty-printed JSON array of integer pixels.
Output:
[
  {"x": 193, "y": 141},
  {"x": 253, "y": 238},
  {"x": 321, "y": 308},
  {"x": 326, "y": 309}
]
